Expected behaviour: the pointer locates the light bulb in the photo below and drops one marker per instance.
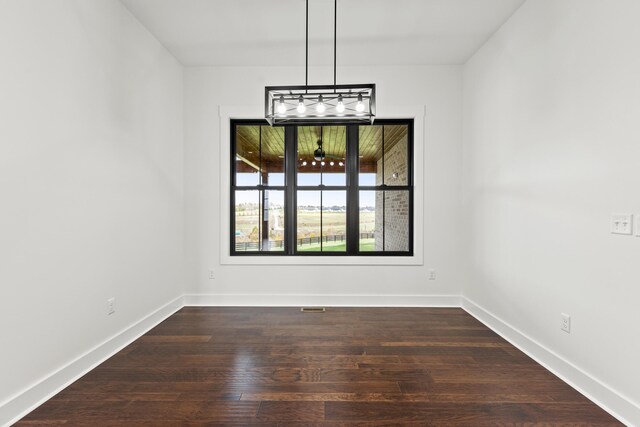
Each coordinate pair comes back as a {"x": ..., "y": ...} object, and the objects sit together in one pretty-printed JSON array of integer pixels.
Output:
[
  {"x": 320, "y": 107},
  {"x": 331, "y": 163},
  {"x": 340, "y": 106},
  {"x": 313, "y": 163},
  {"x": 340, "y": 164},
  {"x": 301, "y": 107},
  {"x": 360, "y": 105},
  {"x": 304, "y": 163},
  {"x": 321, "y": 163},
  {"x": 281, "y": 107}
]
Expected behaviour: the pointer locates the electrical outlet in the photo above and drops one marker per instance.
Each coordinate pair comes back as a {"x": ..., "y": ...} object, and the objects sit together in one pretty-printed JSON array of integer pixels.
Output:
[
  {"x": 111, "y": 306},
  {"x": 565, "y": 322},
  {"x": 622, "y": 224},
  {"x": 212, "y": 273},
  {"x": 432, "y": 274}
]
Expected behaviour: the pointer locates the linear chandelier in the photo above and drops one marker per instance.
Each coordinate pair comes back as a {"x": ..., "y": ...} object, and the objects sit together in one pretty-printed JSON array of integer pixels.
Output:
[{"x": 307, "y": 104}]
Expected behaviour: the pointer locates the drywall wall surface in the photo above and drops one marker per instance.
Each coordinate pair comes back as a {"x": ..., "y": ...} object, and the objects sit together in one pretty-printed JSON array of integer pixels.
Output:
[
  {"x": 91, "y": 181},
  {"x": 551, "y": 150},
  {"x": 435, "y": 91}
]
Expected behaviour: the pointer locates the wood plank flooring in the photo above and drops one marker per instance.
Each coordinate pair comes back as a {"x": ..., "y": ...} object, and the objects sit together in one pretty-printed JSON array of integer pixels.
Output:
[{"x": 347, "y": 366}]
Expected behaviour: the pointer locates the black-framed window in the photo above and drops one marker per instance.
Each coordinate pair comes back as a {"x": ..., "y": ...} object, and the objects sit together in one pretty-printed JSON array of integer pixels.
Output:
[{"x": 326, "y": 189}]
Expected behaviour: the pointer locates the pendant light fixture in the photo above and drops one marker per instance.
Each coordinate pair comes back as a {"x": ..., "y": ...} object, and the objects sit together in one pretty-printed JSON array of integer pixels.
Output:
[{"x": 307, "y": 104}]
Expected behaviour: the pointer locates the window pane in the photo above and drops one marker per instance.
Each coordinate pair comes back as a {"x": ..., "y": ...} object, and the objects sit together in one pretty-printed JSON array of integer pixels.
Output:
[
  {"x": 395, "y": 154},
  {"x": 274, "y": 215},
  {"x": 394, "y": 166},
  {"x": 259, "y": 155},
  {"x": 321, "y": 155},
  {"x": 322, "y": 221},
  {"x": 396, "y": 221},
  {"x": 272, "y": 155},
  {"x": 308, "y": 216},
  {"x": 247, "y": 155},
  {"x": 370, "y": 153},
  {"x": 367, "y": 241},
  {"x": 334, "y": 221},
  {"x": 384, "y": 221},
  {"x": 259, "y": 220}
]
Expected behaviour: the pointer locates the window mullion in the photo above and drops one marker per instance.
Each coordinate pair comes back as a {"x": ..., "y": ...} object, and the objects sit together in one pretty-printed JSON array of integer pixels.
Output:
[
  {"x": 353, "y": 208},
  {"x": 291, "y": 163}
]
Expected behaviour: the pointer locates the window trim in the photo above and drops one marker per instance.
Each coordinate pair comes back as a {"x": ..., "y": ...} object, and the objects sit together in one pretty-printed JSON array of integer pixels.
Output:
[{"x": 226, "y": 114}]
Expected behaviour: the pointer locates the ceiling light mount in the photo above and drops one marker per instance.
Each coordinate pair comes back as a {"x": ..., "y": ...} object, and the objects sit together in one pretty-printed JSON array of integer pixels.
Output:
[{"x": 320, "y": 103}]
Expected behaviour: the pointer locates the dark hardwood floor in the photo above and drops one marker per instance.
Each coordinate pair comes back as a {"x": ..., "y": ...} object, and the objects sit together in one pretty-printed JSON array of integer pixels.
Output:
[{"x": 348, "y": 366}]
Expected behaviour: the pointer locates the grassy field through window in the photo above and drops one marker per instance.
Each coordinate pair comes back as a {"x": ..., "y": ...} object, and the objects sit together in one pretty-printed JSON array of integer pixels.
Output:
[
  {"x": 333, "y": 224},
  {"x": 365, "y": 245}
]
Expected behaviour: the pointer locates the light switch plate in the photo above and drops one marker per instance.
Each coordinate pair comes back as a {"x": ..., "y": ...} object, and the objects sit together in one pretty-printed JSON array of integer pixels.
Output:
[{"x": 622, "y": 224}]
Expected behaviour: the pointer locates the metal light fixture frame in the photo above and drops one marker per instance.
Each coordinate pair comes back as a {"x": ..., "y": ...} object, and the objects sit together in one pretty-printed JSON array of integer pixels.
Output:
[
  {"x": 350, "y": 95},
  {"x": 358, "y": 100}
]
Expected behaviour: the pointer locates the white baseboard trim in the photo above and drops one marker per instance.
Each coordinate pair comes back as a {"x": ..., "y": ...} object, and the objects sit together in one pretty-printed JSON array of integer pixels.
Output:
[
  {"x": 26, "y": 401},
  {"x": 293, "y": 300},
  {"x": 618, "y": 405}
]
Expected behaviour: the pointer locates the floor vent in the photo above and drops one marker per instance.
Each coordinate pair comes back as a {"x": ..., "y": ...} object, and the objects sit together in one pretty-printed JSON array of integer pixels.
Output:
[{"x": 313, "y": 309}]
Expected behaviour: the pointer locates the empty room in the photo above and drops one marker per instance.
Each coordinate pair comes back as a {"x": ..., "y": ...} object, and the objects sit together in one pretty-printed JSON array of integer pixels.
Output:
[{"x": 319, "y": 212}]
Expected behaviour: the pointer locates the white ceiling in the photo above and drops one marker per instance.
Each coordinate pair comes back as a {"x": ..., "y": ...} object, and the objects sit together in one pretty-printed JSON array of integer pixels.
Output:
[{"x": 370, "y": 32}]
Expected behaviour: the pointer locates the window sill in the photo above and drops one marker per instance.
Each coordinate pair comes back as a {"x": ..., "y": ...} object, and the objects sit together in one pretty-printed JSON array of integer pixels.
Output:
[{"x": 320, "y": 260}]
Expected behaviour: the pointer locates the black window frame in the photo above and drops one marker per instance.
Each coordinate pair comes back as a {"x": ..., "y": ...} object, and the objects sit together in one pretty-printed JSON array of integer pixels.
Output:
[{"x": 351, "y": 187}]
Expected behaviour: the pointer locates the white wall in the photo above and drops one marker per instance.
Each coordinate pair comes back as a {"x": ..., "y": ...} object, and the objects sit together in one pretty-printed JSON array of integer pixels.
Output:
[
  {"x": 92, "y": 177},
  {"x": 91, "y": 181},
  {"x": 552, "y": 148},
  {"x": 437, "y": 88}
]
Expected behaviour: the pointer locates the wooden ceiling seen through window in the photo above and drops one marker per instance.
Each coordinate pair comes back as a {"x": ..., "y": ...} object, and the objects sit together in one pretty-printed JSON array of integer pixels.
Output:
[{"x": 262, "y": 147}]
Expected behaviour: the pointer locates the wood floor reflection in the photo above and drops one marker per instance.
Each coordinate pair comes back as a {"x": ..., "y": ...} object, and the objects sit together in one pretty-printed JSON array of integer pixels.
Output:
[{"x": 347, "y": 366}]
